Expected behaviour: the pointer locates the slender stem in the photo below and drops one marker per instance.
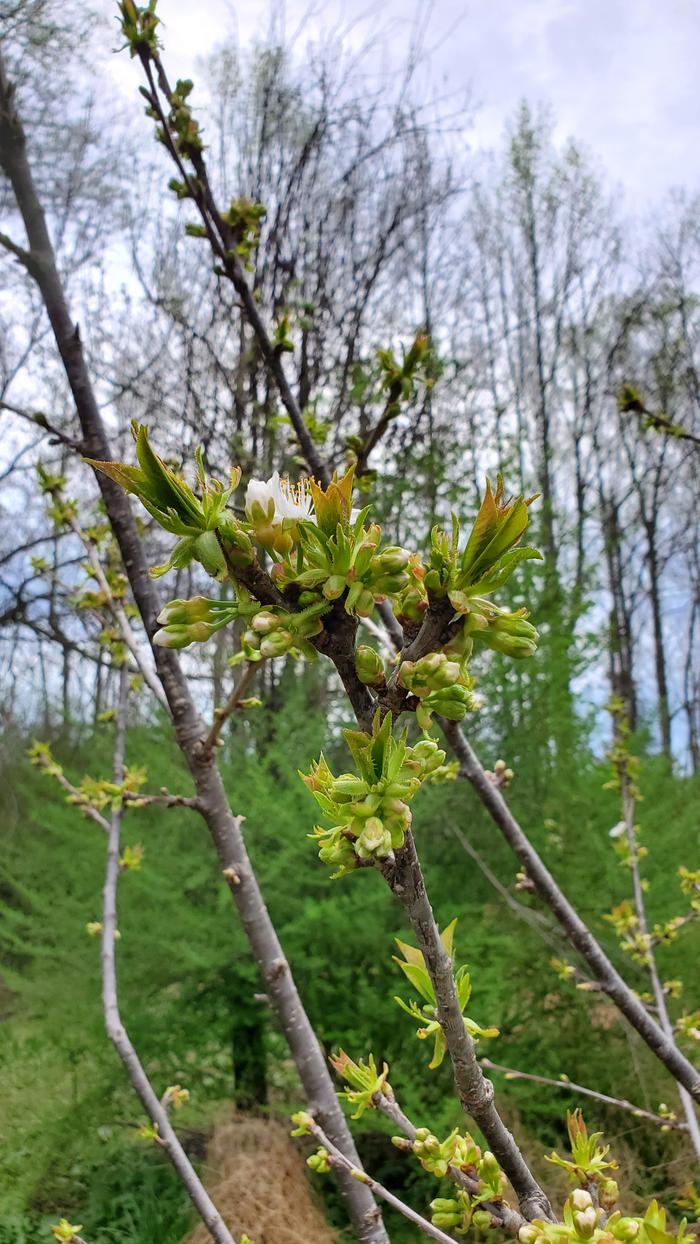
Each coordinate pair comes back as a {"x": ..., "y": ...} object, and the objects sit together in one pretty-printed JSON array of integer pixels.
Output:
[
  {"x": 569, "y": 1086},
  {"x": 335, "y": 1157},
  {"x": 534, "y": 918},
  {"x": 474, "y": 1091},
  {"x": 221, "y": 715},
  {"x": 577, "y": 932},
  {"x": 116, "y": 1031},
  {"x": 222, "y": 240},
  {"x": 501, "y": 1213},
  {"x": 118, "y": 612},
  {"x": 628, "y": 811},
  {"x": 162, "y": 800}
]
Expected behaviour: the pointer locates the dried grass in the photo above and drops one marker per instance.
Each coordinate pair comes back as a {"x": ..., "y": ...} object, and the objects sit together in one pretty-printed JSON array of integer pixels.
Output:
[{"x": 258, "y": 1181}]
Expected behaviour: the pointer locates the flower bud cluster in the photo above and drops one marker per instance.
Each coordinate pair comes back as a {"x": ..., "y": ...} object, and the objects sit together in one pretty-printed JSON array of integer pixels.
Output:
[
  {"x": 346, "y": 562},
  {"x": 440, "y": 684},
  {"x": 185, "y": 622},
  {"x": 327, "y": 554},
  {"x": 437, "y": 1156},
  {"x": 453, "y": 1213},
  {"x": 319, "y": 1161},
  {"x": 584, "y": 1220},
  {"x": 500, "y": 776},
  {"x": 274, "y": 633},
  {"x": 370, "y": 807}
]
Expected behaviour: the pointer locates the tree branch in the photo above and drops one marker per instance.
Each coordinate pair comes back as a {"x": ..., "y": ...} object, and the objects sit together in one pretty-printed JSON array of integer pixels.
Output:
[
  {"x": 474, "y": 1091},
  {"x": 576, "y": 931},
  {"x": 116, "y": 1031},
  {"x": 221, "y": 715},
  {"x": 509, "y": 1219},
  {"x": 336, "y": 1158},
  {"x": 224, "y": 827},
  {"x": 620, "y": 1102}
]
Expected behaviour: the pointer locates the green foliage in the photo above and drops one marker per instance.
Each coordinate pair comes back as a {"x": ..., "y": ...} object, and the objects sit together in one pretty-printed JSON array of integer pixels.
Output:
[{"x": 72, "y": 1148}]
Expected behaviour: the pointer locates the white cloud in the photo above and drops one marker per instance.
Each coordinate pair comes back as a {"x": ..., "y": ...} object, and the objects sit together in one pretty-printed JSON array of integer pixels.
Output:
[{"x": 620, "y": 75}]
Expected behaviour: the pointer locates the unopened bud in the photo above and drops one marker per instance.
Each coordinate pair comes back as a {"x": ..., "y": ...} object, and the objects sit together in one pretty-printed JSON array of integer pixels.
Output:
[
  {"x": 586, "y": 1221},
  {"x": 369, "y": 666},
  {"x": 528, "y": 1234},
  {"x": 580, "y": 1199},
  {"x": 264, "y": 622}
]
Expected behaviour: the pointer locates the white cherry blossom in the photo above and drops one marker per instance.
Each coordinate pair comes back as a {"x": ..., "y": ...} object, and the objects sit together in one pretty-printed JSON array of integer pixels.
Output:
[{"x": 280, "y": 499}]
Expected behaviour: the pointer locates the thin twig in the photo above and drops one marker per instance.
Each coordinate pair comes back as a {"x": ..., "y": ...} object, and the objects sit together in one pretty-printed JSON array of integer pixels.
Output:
[
  {"x": 621, "y": 1102},
  {"x": 336, "y": 1158},
  {"x": 577, "y": 932},
  {"x": 628, "y": 811},
  {"x": 116, "y": 1031},
  {"x": 501, "y": 1213},
  {"x": 39, "y": 420},
  {"x": 162, "y": 800},
  {"x": 221, "y": 715},
  {"x": 118, "y": 612}
]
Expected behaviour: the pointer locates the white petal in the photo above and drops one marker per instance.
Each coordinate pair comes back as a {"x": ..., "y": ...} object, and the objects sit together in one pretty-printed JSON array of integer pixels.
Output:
[{"x": 262, "y": 491}]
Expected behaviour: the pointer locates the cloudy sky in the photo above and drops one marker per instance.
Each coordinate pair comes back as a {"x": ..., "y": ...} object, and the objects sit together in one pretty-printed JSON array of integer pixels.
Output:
[{"x": 621, "y": 75}]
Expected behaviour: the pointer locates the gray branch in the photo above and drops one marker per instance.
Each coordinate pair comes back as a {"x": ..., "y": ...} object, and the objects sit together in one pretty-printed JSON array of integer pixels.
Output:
[
  {"x": 116, "y": 1031},
  {"x": 577, "y": 932}
]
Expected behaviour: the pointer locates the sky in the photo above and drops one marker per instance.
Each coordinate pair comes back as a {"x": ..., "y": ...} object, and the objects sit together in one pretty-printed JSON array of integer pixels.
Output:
[{"x": 620, "y": 75}]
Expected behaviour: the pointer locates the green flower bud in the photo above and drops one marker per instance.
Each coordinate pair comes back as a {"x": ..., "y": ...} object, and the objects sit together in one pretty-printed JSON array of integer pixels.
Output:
[
  {"x": 444, "y": 1205},
  {"x": 446, "y": 1220},
  {"x": 264, "y": 622},
  {"x": 528, "y": 1234},
  {"x": 173, "y": 637},
  {"x": 334, "y": 587},
  {"x": 511, "y": 634},
  {"x": 373, "y": 839},
  {"x": 182, "y": 612},
  {"x": 585, "y": 1221},
  {"x": 207, "y": 552},
  {"x": 393, "y": 558},
  {"x": 626, "y": 1229},
  {"x": 580, "y": 1199},
  {"x": 369, "y": 666},
  {"x": 609, "y": 1193},
  {"x": 276, "y": 644},
  {"x": 489, "y": 1170},
  {"x": 481, "y": 1219}
]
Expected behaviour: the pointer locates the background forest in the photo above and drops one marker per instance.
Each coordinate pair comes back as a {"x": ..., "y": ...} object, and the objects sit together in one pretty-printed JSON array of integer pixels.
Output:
[{"x": 565, "y": 355}]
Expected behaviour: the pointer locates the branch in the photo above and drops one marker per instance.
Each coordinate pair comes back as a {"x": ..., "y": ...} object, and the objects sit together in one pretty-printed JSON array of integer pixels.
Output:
[
  {"x": 574, "y": 927},
  {"x": 533, "y": 918},
  {"x": 224, "y": 827},
  {"x": 336, "y": 1158},
  {"x": 119, "y": 614},
  {"x": 163, "y": 800},
  {"x": 621, "y": 1102},
  {"x": 509, "y": 1219},
  {"x": 19, "y": 252},
  {"x": 223, "y": 240},
  {"x": 116, "y": 1031},
  {"x": 38, "y": 418},
  {"x": 87, "y": 809},
  {"x": 474, "y": 1091},
  {"x": 221, "y": 715},
  {"x": 628, "y": 808}
]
